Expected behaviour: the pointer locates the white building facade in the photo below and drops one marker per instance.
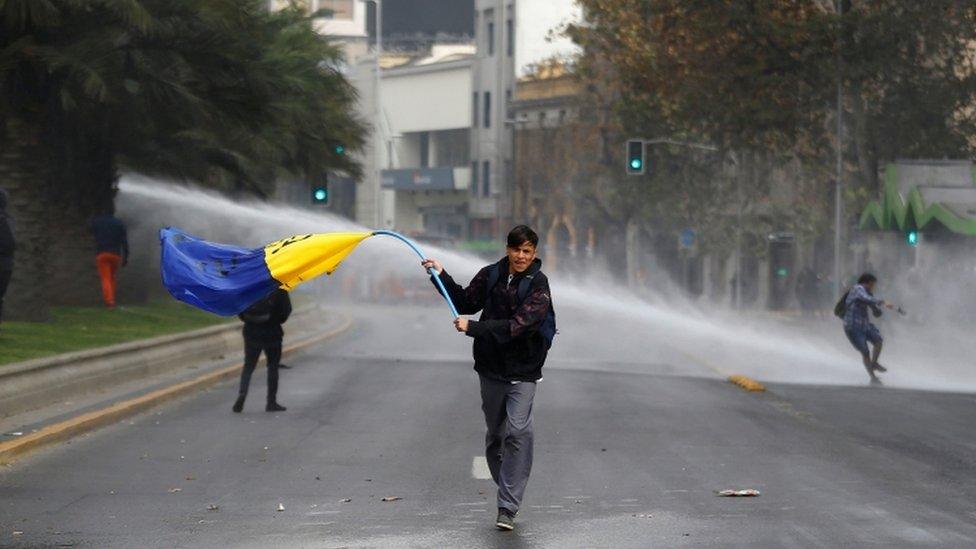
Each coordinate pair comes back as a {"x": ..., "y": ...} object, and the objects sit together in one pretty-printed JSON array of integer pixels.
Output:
[{"x": 493, "y": 83}]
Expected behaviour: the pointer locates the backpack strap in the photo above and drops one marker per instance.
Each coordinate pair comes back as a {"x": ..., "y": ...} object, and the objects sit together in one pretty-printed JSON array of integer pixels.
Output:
[
  {"x": 525, "y": 285},
  {"x": 492, "y": 281}
]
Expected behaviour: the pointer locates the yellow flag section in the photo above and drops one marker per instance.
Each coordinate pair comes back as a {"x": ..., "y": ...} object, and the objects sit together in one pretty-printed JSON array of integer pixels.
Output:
[{"x": 298, "y": 258}]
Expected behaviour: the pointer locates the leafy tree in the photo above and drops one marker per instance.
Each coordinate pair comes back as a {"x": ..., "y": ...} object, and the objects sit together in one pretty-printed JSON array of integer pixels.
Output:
[{"x": 758, "y": 78}]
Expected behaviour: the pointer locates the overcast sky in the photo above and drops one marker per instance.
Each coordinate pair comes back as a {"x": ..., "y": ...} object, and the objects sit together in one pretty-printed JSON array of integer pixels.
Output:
[{"x": 535, "y": 19}]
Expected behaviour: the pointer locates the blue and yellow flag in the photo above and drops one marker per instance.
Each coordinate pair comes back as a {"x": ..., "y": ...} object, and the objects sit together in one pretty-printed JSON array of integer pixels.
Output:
[{"x": 226, "y": 279}]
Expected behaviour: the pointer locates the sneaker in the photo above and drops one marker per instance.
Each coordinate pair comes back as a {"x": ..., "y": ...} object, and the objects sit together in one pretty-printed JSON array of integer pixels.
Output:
[
  {"x": 274, "y": 407},
  {"x": 876, "y": 382},
  {"x": 879, "y": 368},
  {"x": 284, "y": 367},
  {"x": 505, "y": 520},
  {"x": 238, "y": 405}
]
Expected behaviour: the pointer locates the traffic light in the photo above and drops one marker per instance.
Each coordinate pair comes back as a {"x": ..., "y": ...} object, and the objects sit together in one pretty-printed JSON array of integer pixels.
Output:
[
  {"x": 911, "y": 237},
  {"x": 320, "y": 194},
  {"x": 635, "y": 157},
  {"x": 340, "y": 150}
]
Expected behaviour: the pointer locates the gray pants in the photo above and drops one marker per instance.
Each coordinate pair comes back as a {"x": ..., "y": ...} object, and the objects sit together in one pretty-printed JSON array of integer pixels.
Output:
[{"x": 508, "y": 444}]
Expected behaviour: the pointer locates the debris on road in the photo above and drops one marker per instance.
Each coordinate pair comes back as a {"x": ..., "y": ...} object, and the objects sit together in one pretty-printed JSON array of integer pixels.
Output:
[
  {"x": 747, "y": 383},
  {"x": 191, "y": 477},
  {"x": 318, "y": 478},
  {"x": 13, "y": 434},
  {"x": 345, "y": 500},
  {"x": 748, "y": 493},
  {"x": 643, "y": 515},
  {"x": 18, "y": 533},
  {"x": 175, "y": 490},
  {"x": 213, "y": 507},
  {"x": 391, "y": 498},
  {"x": 281, "y": 507}
]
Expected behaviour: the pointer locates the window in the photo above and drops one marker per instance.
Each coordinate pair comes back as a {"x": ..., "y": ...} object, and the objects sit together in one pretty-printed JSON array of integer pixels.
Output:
[
  {"x": 490, "y": 31},
  {"x": 341, "y": 9},
  {"x": 424, "y": 149},
  {"x": 486, "y": 178},
  {"x": 474, "y": 178},
  {"x": 474, "y": 110},
  {"x": 509, "y": 38},
  {"x": 487, "y": 109},
  {"x": 508, "y": 104}
]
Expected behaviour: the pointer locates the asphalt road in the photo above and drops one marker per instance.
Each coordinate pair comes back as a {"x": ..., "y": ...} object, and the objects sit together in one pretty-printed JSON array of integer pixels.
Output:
[{"x": 631, "y": 443}]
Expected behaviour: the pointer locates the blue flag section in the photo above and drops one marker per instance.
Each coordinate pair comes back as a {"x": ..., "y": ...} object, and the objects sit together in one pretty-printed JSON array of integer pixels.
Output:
[
  {"x": 218, "y": 278},
  {"x": 225, "y": 279}
]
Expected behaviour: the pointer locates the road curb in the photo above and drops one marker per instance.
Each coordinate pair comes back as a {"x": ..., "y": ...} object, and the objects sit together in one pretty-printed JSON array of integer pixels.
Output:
[{"x": 11, "y": 450}]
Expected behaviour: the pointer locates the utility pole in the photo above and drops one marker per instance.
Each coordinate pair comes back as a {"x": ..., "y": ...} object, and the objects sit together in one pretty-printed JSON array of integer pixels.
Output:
[
  {"x": 738, "y": 231},
  {"x": 378, "y": 141},
  {"x": 838, "y": 183}
]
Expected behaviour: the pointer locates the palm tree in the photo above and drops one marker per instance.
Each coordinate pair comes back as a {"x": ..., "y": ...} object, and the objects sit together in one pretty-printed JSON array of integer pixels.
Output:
[{"x": 216, "y": 91}]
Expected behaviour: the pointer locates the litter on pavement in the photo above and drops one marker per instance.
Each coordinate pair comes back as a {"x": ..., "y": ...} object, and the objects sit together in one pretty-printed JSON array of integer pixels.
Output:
[{"x": 738, "y": 493}]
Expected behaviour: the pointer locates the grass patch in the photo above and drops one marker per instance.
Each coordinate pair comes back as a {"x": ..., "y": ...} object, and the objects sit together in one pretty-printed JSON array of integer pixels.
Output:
[{"x": 78, "y": 328}]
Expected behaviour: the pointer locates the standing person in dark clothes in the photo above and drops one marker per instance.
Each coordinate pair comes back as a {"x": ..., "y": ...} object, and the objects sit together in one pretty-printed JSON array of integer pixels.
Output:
[
  {"x": 112, "y": 251},
  {"x": 7, "y": 245},
  {"x": 262, "y": 332},
  {"x": 806, "y": 291},
  {"x": 511, "y": 342}
]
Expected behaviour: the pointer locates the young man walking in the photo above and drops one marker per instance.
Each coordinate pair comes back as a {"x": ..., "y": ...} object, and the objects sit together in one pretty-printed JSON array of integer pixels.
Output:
[
  {"x": 262, "y": 332},
  {"x": 511, "y": 341},
  {"x": 858, "y": 327}
]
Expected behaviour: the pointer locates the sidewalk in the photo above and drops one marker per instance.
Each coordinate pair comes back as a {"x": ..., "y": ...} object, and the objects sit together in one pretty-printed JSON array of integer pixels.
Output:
[{"x": 24, "y": 432}]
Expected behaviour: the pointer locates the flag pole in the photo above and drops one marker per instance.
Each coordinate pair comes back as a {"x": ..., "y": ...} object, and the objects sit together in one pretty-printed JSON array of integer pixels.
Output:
[{"x": 433, "y": 274}]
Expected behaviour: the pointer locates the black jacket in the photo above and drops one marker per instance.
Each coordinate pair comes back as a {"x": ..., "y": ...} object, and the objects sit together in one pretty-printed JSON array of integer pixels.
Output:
[
  {"x": 507, "y": 342},
  {"x": 110, "y": 236},
  {"x": 263, "y": 319}
]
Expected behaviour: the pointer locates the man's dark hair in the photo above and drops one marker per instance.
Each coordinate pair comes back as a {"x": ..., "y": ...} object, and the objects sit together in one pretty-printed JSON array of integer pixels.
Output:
[
  {"x": 867, "y": 278},
  {"x": 522, "y": 234}
]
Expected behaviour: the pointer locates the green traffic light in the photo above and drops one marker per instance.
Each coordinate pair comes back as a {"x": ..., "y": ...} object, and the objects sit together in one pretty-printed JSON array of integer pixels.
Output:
[
  {"x": 912, "y": 238},
  {"x": 320, "y": 194},
  {"x": 340, "y": 149},
  {"x": 635, "y": 163}
]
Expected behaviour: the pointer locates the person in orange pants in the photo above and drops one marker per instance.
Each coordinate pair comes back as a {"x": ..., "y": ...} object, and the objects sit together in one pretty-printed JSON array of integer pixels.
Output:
[
  {"x": 108, "y": 265},
  {"x": 112, "y": 251}
]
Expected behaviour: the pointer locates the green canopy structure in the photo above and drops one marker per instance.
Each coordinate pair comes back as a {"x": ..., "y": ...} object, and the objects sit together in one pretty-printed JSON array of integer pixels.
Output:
[{"x": 925, "y": 195}]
